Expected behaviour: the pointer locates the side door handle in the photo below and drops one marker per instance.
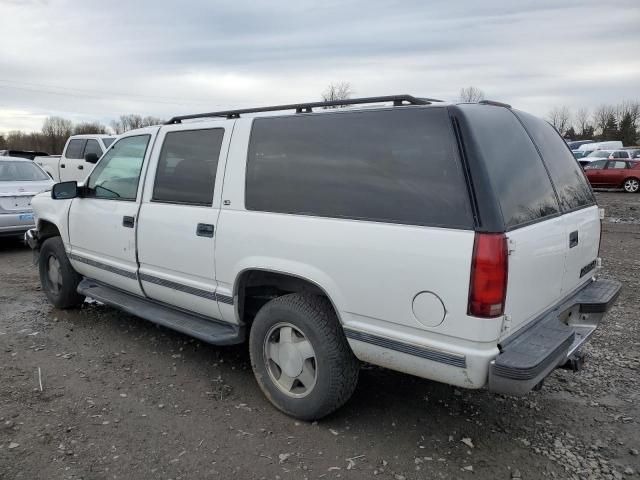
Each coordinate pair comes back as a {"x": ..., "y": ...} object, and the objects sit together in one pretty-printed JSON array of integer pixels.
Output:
[
  {"x": 128, "y": 221},
  {"x": 204, "y": 230},
  {"x": 62, "y": 165},
  {"x": 80, "y": 167},
  {"x": 573, "y": 239}
]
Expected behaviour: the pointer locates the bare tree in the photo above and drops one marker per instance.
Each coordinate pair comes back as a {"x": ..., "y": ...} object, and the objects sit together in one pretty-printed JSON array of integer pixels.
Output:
[
  {"x": 628, "y": 108},
  {"x": 89, "y": 127},
  {"x": 133, "y": 121},
  {"x": 582, "y": 120},
  {"x": 471, "y": 95},
  {"x": 337, "y": 91},
  {"x": 560, "y": 118},
  {"x": 56, "y": 130},
  {"x": 601, "y": 116}
]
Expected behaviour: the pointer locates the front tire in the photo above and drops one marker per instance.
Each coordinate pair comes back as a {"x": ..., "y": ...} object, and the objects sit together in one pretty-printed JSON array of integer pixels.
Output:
[
  {"x": 631, "y": 185},
  {"x": 58, "y": 278},
  {"x": 300, "y": 356}
]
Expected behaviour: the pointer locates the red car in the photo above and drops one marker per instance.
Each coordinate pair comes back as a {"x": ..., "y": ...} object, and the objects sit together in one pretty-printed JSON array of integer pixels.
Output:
[{"x": 614, "y": 174}]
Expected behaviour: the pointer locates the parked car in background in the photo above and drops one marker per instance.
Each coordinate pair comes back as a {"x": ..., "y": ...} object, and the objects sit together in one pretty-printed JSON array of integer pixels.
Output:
[
  {"x": 342, "y": 235},
  {"x": 80, "y": 154},
  {"x": 627, "y": 153},
  {"x": 575, "y": 144},
  {"x": 623, "y": 174},
  {"x": 30, "y": 154},
  {"x": 20, "y": 181}
]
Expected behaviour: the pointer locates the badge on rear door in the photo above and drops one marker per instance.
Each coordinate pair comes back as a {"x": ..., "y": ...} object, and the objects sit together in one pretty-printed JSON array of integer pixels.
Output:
[{"x": 587, "y": 268}]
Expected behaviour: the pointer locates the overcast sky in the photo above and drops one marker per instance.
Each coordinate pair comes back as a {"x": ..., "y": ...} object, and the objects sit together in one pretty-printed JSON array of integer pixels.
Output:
[{"x": 94, "y": 60}]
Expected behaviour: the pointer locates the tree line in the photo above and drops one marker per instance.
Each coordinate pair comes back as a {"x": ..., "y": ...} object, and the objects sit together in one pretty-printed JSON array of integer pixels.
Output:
[
  {"x": 606, "y": 122},
  {"x": 56, "y": 130}
]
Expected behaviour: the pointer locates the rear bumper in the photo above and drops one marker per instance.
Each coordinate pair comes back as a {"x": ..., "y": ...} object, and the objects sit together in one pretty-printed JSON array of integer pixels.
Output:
[
  {"x": 530, "y": 355},
  {"x": 15, "y": 223}
]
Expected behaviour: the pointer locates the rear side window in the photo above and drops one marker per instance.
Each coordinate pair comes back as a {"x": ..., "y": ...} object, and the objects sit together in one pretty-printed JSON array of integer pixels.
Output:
[
  {"x": 598, "y": 164},
  {"x": 93, "y": 147},
  {"x": 187, "y": 167},
  {"x": 571, "y": 185},
  {"x": 75, "y": 148},
  {"x": 396, "y": 166},
  {"x": 516, "y": 172}
]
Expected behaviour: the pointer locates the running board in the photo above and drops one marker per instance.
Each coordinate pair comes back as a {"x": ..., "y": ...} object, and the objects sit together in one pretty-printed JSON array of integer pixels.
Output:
[{"x": 208, "y": 330}]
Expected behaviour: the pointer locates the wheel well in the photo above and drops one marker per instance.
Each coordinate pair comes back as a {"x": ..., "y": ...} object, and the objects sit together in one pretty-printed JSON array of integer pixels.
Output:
[
  {"x": 47, "y": 230},
  {"x": 257, "y": 287}
]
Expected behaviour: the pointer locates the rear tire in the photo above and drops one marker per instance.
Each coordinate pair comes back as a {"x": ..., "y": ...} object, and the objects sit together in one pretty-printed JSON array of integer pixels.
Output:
[
  {"x": 300, "y": 356},
  {"x": 58, "y": 278},
  {"x": 631, "y": 185}
]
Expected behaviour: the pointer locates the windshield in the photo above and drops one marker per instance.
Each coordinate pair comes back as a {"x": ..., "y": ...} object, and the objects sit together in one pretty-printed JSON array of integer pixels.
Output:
[
  {"x": 599, "y": 154},
  {"x": 20, "y": 171}
]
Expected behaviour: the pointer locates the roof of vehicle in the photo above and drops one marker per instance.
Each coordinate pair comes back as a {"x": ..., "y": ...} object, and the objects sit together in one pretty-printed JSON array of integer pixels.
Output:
[{"x": 92, "y": 135}]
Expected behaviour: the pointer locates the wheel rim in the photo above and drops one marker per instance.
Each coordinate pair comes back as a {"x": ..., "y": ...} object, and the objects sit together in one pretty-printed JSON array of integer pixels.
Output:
[
  {"x": 631, "y": 185},
  {"x": 54, "y": 275},
  {"x": 290, "y": 360}
]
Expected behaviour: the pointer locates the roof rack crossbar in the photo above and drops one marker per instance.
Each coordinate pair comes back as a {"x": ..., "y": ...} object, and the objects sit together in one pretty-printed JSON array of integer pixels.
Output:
[{"x": 397, "y": 100}]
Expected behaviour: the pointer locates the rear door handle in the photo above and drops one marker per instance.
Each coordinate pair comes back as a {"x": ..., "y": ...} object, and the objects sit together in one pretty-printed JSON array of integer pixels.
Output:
[
  {"x": 573, "y": 239},
  {"x": 204, "y": 230},
  {"x": 62, "y": 165},
  {"x": 128, "y": 221},
  {"x": 80, "y": 167}
]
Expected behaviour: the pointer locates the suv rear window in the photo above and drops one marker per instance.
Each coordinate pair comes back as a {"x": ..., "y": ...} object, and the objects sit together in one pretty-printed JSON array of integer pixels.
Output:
[
  {"x": 571, "y": 185},
  {"x": 516, "y": 172},
  {"x": 397, "y": 166}
]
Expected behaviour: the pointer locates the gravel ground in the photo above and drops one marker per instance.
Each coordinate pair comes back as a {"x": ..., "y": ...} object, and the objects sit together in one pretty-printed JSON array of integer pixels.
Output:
[{"x": 122, "y": 398}]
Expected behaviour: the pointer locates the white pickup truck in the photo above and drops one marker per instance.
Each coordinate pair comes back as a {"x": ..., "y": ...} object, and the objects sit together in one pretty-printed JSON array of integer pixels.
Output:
[
  {"x": 411, "y": 236},
  {"x": 80, "y": 154}
]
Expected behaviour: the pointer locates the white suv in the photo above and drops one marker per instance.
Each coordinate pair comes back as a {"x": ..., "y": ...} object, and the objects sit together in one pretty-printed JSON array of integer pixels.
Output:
[{"x": 458, "y": 243}]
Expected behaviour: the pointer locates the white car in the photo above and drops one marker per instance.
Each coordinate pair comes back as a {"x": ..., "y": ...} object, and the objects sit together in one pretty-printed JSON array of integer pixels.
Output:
[
  {"x": 409, "y": 236},
  {"x": 20, "y": 181},
  {"x": 80, "y": 154}
]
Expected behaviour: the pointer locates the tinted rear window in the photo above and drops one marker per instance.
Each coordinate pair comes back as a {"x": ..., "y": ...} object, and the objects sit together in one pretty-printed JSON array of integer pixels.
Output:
[
  {"x": 187, "y": 166},
  {"x": 517, "y": 174},
  {"x": 571, "y": 185},
  {"x": 396, "y": 166}
]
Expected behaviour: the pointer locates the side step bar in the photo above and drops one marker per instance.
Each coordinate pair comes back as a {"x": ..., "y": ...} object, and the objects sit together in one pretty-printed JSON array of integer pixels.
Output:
[{"x": 208, "y": 330}]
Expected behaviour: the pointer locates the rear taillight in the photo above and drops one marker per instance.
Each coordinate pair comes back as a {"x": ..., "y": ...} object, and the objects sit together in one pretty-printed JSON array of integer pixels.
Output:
[{"x": 489, "y": 269}]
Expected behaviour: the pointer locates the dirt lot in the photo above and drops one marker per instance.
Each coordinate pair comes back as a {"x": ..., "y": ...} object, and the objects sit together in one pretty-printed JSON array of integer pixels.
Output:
[{"x": 122, "y": 398}]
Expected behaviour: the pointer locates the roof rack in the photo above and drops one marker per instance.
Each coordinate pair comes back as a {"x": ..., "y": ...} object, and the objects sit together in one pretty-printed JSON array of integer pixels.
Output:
[
  {"x": 398, "y": 100},
  {"x": 494, "y": 103}
]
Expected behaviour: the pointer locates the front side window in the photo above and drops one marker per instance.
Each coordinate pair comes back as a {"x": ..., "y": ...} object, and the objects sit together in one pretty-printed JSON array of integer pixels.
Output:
[
  {"x": 108, "y": 141},
  {"x": 187, "y": 167},
  {"x": 75, "y": 148},
  {"x": 396, "y": 166},
  {"x": 117, "y": 174},
  {"x": 12, "y": 171}
]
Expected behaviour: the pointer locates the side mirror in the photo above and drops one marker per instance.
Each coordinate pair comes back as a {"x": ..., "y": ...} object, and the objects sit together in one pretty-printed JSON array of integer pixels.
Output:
[
  {"x": 64, "y": 190},
  {"x": 91, "y": 158}
]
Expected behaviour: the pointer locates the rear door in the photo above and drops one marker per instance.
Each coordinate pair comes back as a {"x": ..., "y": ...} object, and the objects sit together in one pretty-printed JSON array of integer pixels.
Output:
[
  {"x": 178, "y": 216},
  {"x": 614, "y": 173},
  {"x": 71, "y": 159},
  {"x": 579, "y": 210}
]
